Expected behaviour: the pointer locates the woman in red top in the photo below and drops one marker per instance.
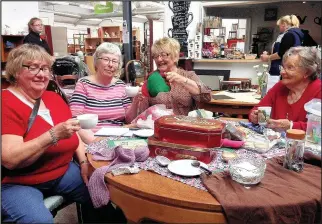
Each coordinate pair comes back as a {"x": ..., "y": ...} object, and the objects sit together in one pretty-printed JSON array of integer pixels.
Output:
[
  {"x": 39, "y": 162},
  {"x": 300, "y": 70}
]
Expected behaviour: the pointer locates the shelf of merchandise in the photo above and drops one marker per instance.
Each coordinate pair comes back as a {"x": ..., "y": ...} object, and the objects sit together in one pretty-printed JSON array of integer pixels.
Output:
[
  {"x": 16, "y": 40},
  {"x": 114, "y": 33}
]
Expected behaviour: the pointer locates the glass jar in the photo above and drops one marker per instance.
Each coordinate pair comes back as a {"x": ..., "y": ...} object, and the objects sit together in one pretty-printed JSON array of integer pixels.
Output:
[{"x": 295, "y": 140}]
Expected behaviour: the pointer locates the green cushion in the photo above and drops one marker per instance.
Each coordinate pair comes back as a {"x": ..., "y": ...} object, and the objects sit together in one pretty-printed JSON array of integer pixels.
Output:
[{"x": 157, "y": 84}]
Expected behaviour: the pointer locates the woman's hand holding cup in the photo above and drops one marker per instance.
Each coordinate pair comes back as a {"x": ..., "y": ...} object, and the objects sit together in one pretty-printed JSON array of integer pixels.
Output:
[
  {"x": 254, "y": 117},
  {"x": 66, "y": 129}
]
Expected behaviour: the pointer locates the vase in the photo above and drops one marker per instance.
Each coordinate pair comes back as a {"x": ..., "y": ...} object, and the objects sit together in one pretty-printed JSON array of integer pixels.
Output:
[{"x": 263, "y": 89}]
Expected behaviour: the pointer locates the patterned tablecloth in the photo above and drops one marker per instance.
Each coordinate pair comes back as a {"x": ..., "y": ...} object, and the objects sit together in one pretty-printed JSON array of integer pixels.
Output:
[{"x": 216, "y": 165}]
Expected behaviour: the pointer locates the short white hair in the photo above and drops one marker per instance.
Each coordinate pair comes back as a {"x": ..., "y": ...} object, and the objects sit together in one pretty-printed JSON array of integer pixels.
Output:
[
  {"x": 310, "y": 59},
  {"x": 108, "y": 48}
]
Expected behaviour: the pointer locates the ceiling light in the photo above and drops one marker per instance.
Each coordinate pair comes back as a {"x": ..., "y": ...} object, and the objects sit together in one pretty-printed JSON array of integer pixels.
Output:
[
  {"x": 86, "y": 6},
  {"x": 94, "y": 19},
  {"x": 140, "y": 16},
  {"x": 304, "y": 2},
  {"x": 60, "y": 3}
]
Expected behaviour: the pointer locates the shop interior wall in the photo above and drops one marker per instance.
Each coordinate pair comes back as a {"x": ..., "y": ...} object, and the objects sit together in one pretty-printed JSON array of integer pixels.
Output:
[
  {"x": 17, "y": 15},
  {"x": 309, "y": 9}
]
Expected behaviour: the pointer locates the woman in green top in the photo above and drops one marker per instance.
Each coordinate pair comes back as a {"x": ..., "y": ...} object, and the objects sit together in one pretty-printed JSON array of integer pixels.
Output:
[{"x": 186, "y": 87}]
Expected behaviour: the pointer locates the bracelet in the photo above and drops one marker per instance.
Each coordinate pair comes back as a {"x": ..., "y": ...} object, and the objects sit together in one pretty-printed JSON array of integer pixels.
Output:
[
  {"x": 53, "y": 136},
  {"x": 83, "y": 162}
]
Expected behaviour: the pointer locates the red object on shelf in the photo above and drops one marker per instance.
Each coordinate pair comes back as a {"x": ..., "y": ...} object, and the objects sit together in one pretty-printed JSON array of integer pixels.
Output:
[
  {"x": 231, "y": 42},
  {"x": 207, "y": 31}
]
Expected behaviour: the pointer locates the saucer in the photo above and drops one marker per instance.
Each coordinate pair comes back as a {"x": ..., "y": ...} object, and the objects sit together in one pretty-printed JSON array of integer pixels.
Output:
[
  {"x": 184, "y": 168},
  {"x": 144, "y": 133}
]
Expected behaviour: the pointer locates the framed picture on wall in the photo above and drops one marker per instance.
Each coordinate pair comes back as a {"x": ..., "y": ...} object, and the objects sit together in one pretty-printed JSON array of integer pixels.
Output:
[{"x": 270, "y": 14}]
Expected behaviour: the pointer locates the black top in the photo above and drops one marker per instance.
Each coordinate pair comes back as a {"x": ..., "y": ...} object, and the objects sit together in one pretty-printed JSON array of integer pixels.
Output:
[
  {"x": 288, "y": 41},
  {"x": 34, "y": 38}
]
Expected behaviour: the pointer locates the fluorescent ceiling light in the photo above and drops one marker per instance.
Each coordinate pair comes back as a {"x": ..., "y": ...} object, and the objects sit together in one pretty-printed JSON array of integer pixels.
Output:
[
  {"x": 94, "y": 19},
  {"x": 86, "y": 6},
  {"x": 115, "y": 2},
  {"x": 60, "y": 3},
  {"x": 140, "y": 16}
]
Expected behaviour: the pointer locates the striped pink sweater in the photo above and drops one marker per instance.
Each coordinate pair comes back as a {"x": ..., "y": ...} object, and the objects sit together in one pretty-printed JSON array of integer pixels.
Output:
[{"x": 109, "y": 102}]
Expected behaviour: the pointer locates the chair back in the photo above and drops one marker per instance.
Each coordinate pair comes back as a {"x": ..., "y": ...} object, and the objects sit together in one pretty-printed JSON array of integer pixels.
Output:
[{"x": 53, "y": 86}]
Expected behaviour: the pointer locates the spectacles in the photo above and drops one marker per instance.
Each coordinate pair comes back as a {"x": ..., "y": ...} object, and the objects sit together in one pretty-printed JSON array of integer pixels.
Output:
[
  {"x": 107, "y": 61},
  {"x": 288, "y": 68},
  {"x": 38, "y": 25},
  {"x": 35, "y": 69},
  {"x": 162, "y": 55}
]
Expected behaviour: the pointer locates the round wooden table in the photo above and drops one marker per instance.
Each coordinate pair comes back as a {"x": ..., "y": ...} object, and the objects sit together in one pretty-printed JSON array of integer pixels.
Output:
[
  {"x": 230, "y": 107},
  {"x": 148, "y": 195}
]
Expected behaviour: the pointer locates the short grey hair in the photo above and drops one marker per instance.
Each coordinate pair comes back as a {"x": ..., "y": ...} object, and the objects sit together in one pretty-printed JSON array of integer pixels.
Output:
[
  {"x": 108, "y": 48},
  {"x": 310, "y": 59}
]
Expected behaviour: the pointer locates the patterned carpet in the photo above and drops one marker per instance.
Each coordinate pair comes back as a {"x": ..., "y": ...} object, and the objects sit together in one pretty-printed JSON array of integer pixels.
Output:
[{"x": 67, "y": 215}]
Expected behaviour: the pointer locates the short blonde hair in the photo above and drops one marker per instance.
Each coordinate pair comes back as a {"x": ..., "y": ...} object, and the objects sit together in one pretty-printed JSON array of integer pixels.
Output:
[
  {"x": 108, "y": 48},
  {"x": 166, "y": 45},
  {"x": 23, "y": 54},
  {"x": 32, "y": 21},
  {"x": 290, "y": 20}
]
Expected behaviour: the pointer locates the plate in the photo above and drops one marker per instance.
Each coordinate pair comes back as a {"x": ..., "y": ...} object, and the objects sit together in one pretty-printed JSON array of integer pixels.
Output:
[
  {"x": 184, "y": 168},
  {"x": 144, "y": 133}
]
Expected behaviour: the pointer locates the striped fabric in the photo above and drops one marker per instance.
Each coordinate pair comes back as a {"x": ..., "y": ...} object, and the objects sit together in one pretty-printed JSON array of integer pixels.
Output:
[{"x": 109, "y": 102}]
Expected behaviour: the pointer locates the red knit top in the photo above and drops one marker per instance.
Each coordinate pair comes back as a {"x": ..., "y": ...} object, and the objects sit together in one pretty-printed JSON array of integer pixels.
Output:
[
  {"x": 54, "y": 162},
  {"x": 281, "y": 109}
]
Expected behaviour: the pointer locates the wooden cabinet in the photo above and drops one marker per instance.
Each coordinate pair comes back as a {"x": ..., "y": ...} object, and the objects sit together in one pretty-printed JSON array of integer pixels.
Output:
[
  {"x": 8, "y": 42},
  {"x": 91, "y": 43},
  {"x": 111, "y": 34},
  {"x": 78, "y": 43}
]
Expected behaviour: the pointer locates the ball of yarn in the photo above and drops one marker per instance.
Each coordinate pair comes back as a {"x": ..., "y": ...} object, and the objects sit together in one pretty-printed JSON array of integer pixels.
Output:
[
  {"x": 156, "y": 84},
  {"x": 141, "y": 153}
]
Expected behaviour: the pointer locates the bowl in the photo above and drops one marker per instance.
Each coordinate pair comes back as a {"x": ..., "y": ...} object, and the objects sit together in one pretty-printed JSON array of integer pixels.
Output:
[
  {"x": 87, "y": 121},
  {"x": 250, "y": 56},
  {"x": 226, "y": 156},
  {"x": 247, "y": 169},
  {"x": 132, "y": 91}
]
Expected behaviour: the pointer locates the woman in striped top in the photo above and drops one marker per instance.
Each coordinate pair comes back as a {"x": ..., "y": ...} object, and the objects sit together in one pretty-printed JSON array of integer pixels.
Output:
[{"x": 102, "y": 93}]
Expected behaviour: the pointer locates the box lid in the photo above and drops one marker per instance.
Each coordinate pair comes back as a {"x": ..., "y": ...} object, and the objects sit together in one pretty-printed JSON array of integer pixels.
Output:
[
  {"x": 313, "y": 107},
  {"x": 190, "y": 123}
]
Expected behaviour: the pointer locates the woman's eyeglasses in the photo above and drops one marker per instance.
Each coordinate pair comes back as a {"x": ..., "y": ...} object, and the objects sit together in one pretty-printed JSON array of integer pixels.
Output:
[
  {"x": 288, "y": 68},
  {"x": 162, "y": 55},
  {"x": 107, "y": 61},
  {"x": 35, "y": 69}
]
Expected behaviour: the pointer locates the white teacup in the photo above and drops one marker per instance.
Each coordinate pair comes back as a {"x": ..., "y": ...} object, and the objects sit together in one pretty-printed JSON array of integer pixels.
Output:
[
  {"x": 132, "y": 91},
  {"x": 88, "y": 121}
]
